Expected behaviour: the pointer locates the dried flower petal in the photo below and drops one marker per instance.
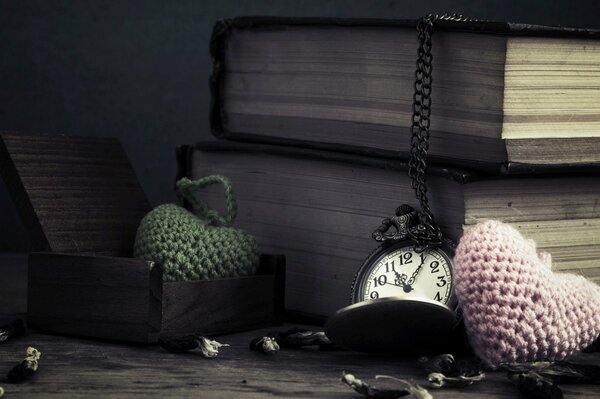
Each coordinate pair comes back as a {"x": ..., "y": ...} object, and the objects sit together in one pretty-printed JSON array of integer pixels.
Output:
[
  {"x": 357, "y": 384},
  {"x": 209, "y": 348},
  {"x": 265, "y": 345},
  {"x": 369, "y": 391},
  {"x": 438, "y": 380},
  {"x": 27, "y": 367},
  {"x": 33, "y": 357}
]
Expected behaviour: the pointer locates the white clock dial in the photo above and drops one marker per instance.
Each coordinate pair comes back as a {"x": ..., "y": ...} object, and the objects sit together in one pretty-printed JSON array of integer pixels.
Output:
[{"x": 403, "y": 272}]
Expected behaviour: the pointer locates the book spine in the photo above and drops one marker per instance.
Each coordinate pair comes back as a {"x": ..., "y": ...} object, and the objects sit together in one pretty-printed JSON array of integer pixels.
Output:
[{"x": 470, "y": 26}]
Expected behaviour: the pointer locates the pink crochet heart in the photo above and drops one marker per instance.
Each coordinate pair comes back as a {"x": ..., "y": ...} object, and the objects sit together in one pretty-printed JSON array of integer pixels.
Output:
[{"x": 515, "y": 308}]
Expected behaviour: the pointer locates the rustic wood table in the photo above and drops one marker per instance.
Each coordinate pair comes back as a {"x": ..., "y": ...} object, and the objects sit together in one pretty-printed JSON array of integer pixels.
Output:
[{"x": 77, "y": 368}]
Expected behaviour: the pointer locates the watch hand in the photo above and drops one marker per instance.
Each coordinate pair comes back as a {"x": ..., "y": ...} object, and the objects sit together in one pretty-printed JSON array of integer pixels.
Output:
[
  {"x": 407, "y": 288},
  {"x": 401, "y": 282},
  {"x": 416, "y": 273}
]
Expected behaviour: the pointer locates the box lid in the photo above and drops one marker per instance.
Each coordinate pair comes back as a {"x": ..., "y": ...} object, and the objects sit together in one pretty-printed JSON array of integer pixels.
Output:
[{"x": 73, "y": 194}]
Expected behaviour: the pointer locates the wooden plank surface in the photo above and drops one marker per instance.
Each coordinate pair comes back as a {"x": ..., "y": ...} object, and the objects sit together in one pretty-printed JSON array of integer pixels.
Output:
[
  {"x": 78, "y": 368},
  {"x": 74, "y": 194},
  {"x": 94, "y": 296}
]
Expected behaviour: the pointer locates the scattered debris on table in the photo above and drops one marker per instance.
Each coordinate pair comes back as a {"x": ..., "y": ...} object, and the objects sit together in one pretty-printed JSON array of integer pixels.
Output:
[
  {"x": 439, "y": 380},
  {"x": 541, "y": 379},
  {"x": 444, "y": 370},
  {"x": 26, "y": 368},
  {"x": 299, "y": 338},
  {"x": 372, "y": 392},
  {"x": 208, "y": 348},
  {"x": 533, "y": 385},
  {"x": 266, "y": 345},
  {"x": 561, "y": 372}
]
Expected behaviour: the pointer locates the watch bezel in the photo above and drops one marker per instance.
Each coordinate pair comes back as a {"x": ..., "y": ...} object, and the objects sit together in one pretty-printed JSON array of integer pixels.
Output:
[{"x": 446, "y": 249}]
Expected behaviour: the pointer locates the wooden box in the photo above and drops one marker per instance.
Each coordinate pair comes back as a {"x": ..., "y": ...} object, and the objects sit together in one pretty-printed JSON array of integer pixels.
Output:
[
  {"x": 81, "y": 204},
  {"x": 13, "y": 283}
]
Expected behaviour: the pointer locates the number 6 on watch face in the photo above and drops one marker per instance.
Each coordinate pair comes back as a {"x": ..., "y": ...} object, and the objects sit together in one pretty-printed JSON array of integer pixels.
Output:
[{"x": 400, "y": 271}]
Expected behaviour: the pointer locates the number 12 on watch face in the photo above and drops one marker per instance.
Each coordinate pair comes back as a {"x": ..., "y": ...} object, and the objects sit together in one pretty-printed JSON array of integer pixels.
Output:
[{"x": 406, "y": 273}]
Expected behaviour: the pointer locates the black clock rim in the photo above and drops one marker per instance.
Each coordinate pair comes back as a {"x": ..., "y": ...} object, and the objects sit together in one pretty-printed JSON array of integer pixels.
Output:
[{"x": 447, "y": 252}]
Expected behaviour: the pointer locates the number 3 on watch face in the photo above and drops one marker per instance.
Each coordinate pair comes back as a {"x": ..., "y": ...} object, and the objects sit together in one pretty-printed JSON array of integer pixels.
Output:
[{"x": 403, "y": 272}]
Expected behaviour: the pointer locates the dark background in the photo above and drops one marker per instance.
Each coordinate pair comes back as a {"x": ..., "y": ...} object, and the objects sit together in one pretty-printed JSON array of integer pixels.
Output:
[{"x": 138, "y": 70}]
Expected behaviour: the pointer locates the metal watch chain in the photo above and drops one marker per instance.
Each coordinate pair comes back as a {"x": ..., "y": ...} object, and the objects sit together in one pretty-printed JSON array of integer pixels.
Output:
[{"x": 427, "y": 232}]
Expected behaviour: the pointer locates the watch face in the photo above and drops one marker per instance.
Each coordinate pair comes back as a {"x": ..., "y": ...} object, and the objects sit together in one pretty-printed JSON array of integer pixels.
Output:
[{"x": 400, "y": 271}]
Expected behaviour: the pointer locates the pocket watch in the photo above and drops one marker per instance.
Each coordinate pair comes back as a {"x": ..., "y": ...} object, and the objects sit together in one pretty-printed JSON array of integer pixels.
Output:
[
  {"x": 401, "y": 268},
  {"x": 403, "y": 294}
]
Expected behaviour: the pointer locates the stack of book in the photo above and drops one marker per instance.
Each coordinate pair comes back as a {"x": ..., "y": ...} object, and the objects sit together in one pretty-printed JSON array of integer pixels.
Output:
[{"x": 315, "y": 115}]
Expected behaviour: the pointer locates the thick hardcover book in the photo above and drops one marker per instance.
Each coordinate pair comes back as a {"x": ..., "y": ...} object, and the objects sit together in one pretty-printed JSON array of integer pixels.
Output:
[
  {"x": 319, "y": 208},
  {"x": 506, "y": 97}
]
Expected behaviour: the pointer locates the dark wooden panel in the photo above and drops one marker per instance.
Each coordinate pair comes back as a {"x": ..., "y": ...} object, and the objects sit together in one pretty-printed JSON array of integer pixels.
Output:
[
  {"x": 74, "y": 194},
  {"x": 226, "y": 305},
  {"x": 94, "y": 296}
]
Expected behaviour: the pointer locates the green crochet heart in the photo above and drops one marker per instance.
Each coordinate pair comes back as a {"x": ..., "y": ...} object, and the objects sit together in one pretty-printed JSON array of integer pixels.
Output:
[{"x": 191, "y": 247}]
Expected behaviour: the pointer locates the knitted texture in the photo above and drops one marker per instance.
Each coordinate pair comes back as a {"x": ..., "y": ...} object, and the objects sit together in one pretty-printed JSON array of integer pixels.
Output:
[
  {"x": 191, "y": 247},
  {"x": 515, "y": 308}
]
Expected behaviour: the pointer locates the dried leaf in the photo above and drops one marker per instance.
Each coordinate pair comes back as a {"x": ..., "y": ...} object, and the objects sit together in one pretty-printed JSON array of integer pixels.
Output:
[
  {"x": 209, "y": 348},
  {"x": 561, "y": 372},
  {"x": 26, "y": 368},
  {"x": 186, "y": 343},
  {"x": 445, "y": 370},
  {"x": 534, "y": 385},
  {"x": 438, "y": 380},
  {"x": 266, "y": 345},
  {"x": 298, "y": 338},
  {"x": 524, "y": 367},
  {"x": 370, "y": 391}
]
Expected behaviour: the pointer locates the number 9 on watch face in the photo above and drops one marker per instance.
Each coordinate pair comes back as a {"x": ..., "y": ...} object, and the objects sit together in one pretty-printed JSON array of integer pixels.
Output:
[{"x": 400, "y": 271}]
